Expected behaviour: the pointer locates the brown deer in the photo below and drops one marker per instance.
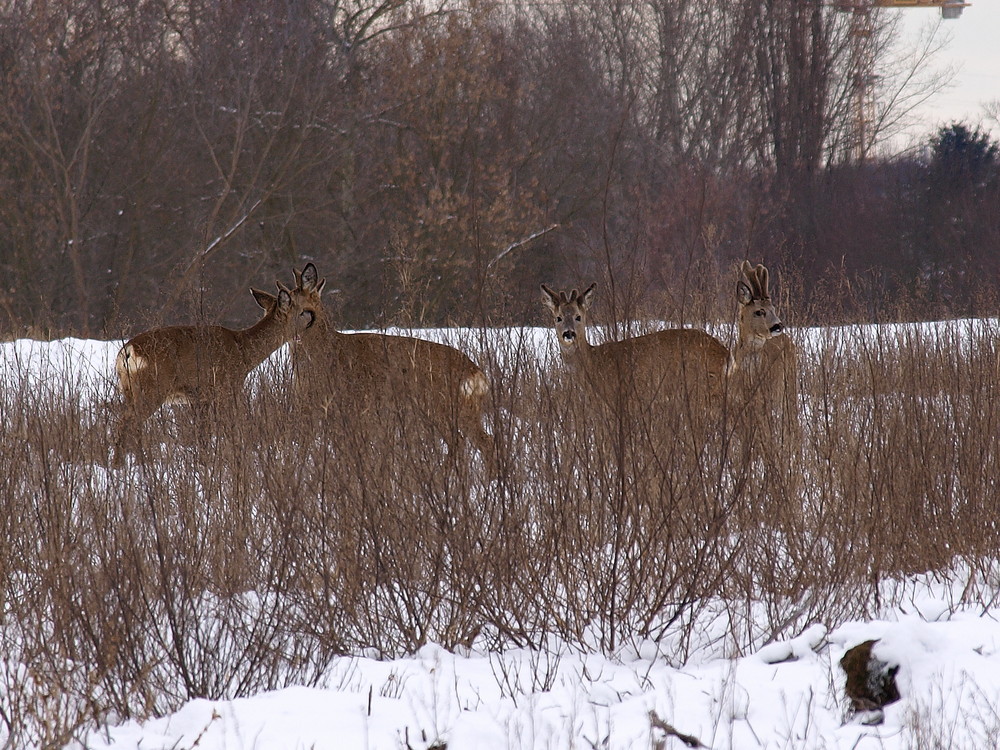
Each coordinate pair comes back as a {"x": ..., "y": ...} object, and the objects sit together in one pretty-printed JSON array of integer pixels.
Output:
[
  {"x": 367, "y": 374},
  {"x": 200, "y": 364},
  {"x": 764, "y": 356},
  {"x": 656, "y": 364}
]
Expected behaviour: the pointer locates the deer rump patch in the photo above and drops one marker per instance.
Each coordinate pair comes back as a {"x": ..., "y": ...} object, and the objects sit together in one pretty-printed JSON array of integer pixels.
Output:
[
  {"x": 130, "y": 361},
  {"x": 474, "y": 386}
]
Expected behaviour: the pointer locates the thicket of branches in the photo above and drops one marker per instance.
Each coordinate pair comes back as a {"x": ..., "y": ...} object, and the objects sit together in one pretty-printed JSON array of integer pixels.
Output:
[
  {"x": 244, "y": 547},
  {"x": 438, "y": 162}
]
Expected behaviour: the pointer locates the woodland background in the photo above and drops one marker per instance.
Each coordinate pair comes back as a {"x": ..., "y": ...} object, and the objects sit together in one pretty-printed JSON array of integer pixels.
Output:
[
  {"x": 438, "y": 162},
  {"x": 159, "y": 156}
]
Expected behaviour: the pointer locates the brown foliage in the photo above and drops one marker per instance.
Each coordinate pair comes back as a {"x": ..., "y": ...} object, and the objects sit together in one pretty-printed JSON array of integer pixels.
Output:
[
  {"x": 442, "y": 163},
  {"x": 245, "y": 545}
]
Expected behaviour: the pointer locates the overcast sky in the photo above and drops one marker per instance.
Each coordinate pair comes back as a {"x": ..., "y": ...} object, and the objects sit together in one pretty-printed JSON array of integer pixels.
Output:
[{"x": 974, "y": 48}]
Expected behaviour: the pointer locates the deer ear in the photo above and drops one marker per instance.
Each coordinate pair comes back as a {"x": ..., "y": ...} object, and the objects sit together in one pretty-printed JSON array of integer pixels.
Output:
[
  {"x": 549, "y": 298},
  {"x": 309, "y": 278},
  {"x": 743, "y": 293},
  {"x": 588, "y": 296},
  {"x": 263, "y": 299},
  {"x": 284, "y": 301}
]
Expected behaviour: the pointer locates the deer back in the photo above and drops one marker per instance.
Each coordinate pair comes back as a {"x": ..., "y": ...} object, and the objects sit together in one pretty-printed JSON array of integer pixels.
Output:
[
  {"x": 364, "y": 369},
  {"x": 380, "y": 366},
  {"x": 654, "y": 364},
  {"x": 185, "y": 363},
  {"x": 181, "y": 361},
  {"x": 663, "y": 361}
]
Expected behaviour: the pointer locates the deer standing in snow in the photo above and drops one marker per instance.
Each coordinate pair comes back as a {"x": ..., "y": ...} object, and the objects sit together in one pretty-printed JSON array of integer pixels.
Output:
[
  {"x": 372, "y": 375},
  {"x": 199, "y": 364},
  {"x": 765, "y": 368},
  {"x": 663, "y": 364},
  {"x": 760, "y": 373}
]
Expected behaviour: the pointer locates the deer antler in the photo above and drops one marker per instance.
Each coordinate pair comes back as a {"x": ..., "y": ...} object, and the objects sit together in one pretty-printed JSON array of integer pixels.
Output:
[
  {"x": 554, "y": 299},
  {"x": 756, "y": 280}
]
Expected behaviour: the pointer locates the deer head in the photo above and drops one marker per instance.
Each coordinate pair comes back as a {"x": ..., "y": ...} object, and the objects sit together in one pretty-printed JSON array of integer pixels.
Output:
[
  {"x": 758, "y": 320},
  {"x": 569, "y": 315},
  {"x": 306, "y": 297}
]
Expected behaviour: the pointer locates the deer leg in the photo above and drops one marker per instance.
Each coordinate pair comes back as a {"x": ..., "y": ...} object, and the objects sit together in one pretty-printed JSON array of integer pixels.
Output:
[
  {"x": 471, "y": 428},
  {"x": 486, "y": 446},
  {"x": 132, "y": 414}
]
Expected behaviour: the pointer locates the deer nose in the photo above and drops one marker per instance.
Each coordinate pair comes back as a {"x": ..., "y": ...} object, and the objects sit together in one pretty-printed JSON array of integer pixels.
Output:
[
  {"x": 777, "y": 328},
  {"x": 569, "y": 335}
]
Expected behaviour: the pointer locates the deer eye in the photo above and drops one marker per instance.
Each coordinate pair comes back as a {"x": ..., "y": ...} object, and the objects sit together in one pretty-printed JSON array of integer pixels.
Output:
[
  {"x": 578, "y": 317},
  {"x": 759, "y": 313},
  {"x": 558, "y": 318}
]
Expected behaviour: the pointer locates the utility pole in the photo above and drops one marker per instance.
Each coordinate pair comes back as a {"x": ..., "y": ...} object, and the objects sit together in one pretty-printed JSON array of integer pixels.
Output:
[{"x": 863, "y": 64}]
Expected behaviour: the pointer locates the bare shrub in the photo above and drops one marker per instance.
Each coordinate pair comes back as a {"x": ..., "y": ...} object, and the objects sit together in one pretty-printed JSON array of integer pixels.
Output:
[{"x": 246, "y": 544}]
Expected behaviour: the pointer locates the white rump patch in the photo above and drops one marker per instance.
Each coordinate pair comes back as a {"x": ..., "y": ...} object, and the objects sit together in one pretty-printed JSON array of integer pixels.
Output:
[
  {"x": 131, "y": 362},
  {"x": 475, "y": 385}
]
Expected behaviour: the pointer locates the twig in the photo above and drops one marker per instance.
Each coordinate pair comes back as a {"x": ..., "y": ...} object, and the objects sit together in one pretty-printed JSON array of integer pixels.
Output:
[
  {"x": 514, "y": 245},
  {"x": 214, "y": 244},
  {"x": 687, "y": 739}
]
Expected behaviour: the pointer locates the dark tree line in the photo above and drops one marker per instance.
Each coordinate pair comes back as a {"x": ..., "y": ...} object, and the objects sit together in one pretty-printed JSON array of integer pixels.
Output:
[{"x": 438, "y": 162}]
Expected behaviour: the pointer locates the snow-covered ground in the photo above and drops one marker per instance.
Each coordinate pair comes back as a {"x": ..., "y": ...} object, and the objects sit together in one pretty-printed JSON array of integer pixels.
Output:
[{"x": 787, "y": 695}]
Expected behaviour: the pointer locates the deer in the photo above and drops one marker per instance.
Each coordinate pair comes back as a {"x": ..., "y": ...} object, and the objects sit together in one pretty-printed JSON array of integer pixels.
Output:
[
  {"x": 200, "y": 364},
  {"x": 765, "y": 359},
  {"x": 659, "y": 364},
  {"x": 369, "y": 373}
]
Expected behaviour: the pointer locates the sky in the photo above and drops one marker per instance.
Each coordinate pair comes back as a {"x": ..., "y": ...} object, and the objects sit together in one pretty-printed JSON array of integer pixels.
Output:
[{"x": 973, "y": 48}]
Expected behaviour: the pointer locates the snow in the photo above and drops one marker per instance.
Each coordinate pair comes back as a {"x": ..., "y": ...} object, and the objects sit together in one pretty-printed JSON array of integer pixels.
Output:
[
  {"x": 950, "y": 674},
  {"x": 788, "y": 694}
]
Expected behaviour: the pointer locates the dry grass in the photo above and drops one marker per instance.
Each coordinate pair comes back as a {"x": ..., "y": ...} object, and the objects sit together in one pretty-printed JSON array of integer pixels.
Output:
[{"x": 241, "y": 549}]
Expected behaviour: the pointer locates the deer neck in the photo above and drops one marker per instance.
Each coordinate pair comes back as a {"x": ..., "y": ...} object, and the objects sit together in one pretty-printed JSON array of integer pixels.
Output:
[
  {"x": 577, "y": 356},
  {"x": 327, "y": 335},
  {"x": 320, "y": 342},
  {"x": 748, "y": 349},
  {"x": 261, "y": 340}
]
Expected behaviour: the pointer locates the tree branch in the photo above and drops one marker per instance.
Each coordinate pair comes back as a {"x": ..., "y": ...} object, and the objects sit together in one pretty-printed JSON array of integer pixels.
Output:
[{"x": 515, "y": 245}]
